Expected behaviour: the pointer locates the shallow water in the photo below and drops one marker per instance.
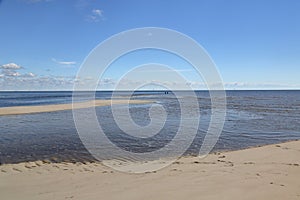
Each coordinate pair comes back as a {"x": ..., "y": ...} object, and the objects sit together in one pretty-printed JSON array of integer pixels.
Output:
[{"x": 253, "y": 118}]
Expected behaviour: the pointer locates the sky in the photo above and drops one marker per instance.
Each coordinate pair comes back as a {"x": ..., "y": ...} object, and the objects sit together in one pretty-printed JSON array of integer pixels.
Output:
[{"x": 254, "y": 44}]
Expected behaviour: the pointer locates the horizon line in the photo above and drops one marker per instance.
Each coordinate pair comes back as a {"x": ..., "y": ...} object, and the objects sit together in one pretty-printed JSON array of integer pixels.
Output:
[{"x": 258, "y": 89}]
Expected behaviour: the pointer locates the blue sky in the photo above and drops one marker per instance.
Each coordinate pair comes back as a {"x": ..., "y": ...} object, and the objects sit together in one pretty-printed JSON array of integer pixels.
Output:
[{"x": 255, "y": 44}]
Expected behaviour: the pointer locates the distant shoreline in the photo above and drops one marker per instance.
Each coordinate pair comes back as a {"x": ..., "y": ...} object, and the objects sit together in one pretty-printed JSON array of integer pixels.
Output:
[{"x": 285, "y": 89}]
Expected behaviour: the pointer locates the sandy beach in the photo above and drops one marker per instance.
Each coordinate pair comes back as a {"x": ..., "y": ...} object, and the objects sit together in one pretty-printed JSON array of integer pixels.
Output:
[
  {"x": 19, "y": 110},
  {"x": 268, "y": 172}
]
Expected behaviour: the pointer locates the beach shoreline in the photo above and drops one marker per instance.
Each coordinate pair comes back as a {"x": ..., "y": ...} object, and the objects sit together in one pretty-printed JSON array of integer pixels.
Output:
[{"x": 266, "y": 172}]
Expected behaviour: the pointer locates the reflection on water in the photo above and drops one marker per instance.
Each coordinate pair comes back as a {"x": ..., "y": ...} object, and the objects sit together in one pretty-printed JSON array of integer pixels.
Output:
[{"x": 253, "y": 118}]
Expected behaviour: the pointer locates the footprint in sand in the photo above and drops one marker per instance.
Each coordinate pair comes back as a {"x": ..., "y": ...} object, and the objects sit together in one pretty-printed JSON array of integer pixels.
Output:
[
  {"x": 249, "y": 163},
  {"x": 44, "y": 162},
  {"x": 16, "y": 169},
  {"x": 176, "y": 170},
  {"x": 55, "y": 166},
  {"x": 230, "y": 164},
  {"x": 207, "y": 163},
  {"x": 178, "y": 162},
  {"x": 28, "y": 167},
  {"x": 272, "y": 183},
  {"x": 153, "y": 172},
  {"x": 87, "y": 170},
  {"x": 294, "y": 164}
]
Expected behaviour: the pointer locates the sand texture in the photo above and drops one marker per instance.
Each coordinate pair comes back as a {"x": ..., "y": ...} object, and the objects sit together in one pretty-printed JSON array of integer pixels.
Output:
[{"x": 269, "y": 172}]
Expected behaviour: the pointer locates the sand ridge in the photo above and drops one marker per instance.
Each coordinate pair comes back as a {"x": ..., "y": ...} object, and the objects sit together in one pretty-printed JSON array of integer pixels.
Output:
[{"x": 19, "y": 110}]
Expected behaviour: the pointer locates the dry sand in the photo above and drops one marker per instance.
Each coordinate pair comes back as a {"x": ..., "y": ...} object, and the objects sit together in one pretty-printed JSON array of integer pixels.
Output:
[
  {"x": 19, "y": 110},
  {"x": 269, "y": 172}
]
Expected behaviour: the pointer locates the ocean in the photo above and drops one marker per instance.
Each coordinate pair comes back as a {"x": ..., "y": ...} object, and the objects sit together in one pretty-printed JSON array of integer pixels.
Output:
[{"x": 253, "y": 118}]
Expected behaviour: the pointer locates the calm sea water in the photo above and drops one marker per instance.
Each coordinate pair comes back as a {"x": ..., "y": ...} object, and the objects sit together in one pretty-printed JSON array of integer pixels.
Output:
[{"x": 253, "y": 118}]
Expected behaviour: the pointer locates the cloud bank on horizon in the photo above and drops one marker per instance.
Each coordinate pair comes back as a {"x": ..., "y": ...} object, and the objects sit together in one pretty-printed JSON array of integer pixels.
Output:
[{"x": 12, "y": 79}]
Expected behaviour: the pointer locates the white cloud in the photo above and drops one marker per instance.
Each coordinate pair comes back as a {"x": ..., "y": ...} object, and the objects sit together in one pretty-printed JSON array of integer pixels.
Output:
[
  {"x": 30, "y": 82},
  {"x": 10, "y": 70},
  {"x": 96, "y": 15},
  {"x": 15, "y": 74},
  {"x": 69, "y": 63},
  {"x": 29, "y": 75},
  {"x": 11, "y": 66},
  {"x": 97, "y": 12}
]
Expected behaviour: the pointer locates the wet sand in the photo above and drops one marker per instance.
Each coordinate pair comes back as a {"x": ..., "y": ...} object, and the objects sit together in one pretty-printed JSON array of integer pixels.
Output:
[
  {"x": 268, "y": 172},
  {"x": 19, "y": 110}
]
